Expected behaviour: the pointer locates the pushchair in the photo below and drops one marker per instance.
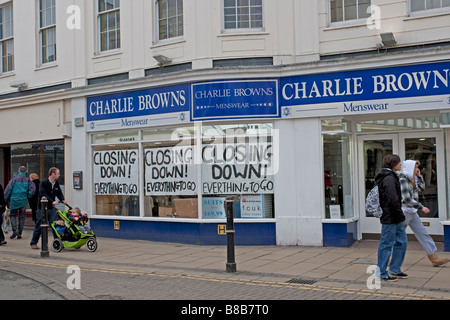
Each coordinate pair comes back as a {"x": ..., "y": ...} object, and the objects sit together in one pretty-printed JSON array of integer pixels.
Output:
[{"x": 70, "y": 236}]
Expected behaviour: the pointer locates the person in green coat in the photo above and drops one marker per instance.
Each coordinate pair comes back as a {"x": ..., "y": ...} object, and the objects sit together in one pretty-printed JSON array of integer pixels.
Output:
[{"x": 17, "y": 192}]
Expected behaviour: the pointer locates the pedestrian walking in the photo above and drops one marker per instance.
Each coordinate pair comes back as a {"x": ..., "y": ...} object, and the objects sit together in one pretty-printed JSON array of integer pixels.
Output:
[
  {"x": 34, "y": 200},
  {"x": 17, "y": 192},
  {"x": 2, "y": 210},
  {"x": 411, "y": 183},
  {"x": 393, "y": 241},
  {"x": 50, "y": 189}
]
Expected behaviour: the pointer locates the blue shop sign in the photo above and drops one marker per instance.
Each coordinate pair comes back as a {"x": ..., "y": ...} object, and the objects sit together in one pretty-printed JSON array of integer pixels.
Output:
[
  {"x": 390, "y": 89},
  {"x": 139, "y": 103},
  {"x": 370, "y": 84},
  {"x": 235, "y": 99}
]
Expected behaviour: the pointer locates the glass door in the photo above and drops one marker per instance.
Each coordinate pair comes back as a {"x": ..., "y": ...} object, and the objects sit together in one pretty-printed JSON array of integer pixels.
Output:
[
  {"x": 424, "y": 147},
  {"x": 427, "y": 149},
  {"x": 372, "y": 150}
]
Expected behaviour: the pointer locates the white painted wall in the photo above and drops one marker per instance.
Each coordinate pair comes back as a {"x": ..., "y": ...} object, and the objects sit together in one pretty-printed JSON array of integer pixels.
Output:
[
  {"x": 294, "y": 32},
  {"x": 408, "y": 28},
  {"x": 299, "y": 205}
]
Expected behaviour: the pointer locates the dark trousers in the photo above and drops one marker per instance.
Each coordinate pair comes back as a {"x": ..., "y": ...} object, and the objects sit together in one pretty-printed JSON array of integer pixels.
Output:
[
  {"x": 52, "y": 216},
  {"x": 20, "y": 215},
  {"x": 2, "y": 235}
]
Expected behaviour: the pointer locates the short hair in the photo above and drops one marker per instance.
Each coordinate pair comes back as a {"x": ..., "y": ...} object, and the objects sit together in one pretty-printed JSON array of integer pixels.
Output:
[
  {"x": 52, "y": 170},
  {"x": 23, "y": 169},
  {"x": 391, "y": 161},
  {"x": 34, "y": 176}
]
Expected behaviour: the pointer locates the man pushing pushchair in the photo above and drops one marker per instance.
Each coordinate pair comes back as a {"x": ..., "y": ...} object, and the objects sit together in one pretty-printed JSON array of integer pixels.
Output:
[{"x": 72, "y": 231}]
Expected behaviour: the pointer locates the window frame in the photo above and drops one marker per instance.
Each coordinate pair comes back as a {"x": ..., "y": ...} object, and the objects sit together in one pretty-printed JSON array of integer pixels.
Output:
[
  {"x": 117, "y": 29},
  {"x": 7, "y": 40},
  {"x": 355, "y": 21},
  {"x": 196, "y": 135},
  {"x": 158, "y": 19},
  {"x": 248, "y": 29},
  {"x": 45, "y": 29},
  {"x": 433, "y": 11}
]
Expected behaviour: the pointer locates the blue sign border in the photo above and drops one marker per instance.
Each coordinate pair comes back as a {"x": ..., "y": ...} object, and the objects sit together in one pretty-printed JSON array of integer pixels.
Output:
[{"x": 235, "y": 99}]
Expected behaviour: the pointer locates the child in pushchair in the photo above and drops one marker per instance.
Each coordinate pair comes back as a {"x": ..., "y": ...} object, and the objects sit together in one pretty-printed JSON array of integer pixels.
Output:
[
  {"x": 80, "y": 220},
  {"x": 72, "y": 231}
]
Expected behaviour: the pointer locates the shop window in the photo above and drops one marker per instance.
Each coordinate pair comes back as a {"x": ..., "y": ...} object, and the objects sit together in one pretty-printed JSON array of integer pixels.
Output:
[
  {"x": 116, "y": 179},
  {"x": 39, "y": 157},
  {"x": 171, "y": 179},
  {"x": 162, "y": 172},
  {"x": 400, "y": 124},
  {"x": 337, "y": 166},
  {"x": 238, "y": 162}
]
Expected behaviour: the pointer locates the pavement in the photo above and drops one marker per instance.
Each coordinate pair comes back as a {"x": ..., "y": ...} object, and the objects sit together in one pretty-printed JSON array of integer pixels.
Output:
[{"x": 315, "y": 267}]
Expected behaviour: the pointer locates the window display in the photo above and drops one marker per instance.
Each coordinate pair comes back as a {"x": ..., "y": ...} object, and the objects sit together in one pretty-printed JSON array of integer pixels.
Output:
[{"x": 177, "y": 173}]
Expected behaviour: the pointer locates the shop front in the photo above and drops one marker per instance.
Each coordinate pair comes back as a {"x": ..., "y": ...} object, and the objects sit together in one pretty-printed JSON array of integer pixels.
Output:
[
  {"x": 34, "y": 135},
  {"x": 297, "y": 153},
  {"x": 374, "y": 112},
  {"x": 159, "y": 169}
]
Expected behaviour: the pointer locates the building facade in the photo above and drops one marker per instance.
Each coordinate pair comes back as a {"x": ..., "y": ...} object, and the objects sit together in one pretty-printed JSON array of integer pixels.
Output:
[{"x": 158, "y": 111}]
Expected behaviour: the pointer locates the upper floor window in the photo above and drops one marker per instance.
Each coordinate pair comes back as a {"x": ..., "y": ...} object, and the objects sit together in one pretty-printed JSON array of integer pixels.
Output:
[
  {"x": 109, "y": 24},
  {"x": 7, "y": 38},
  {"x": 170, "y": 19},
  {"x": 420, "y": 5},
  {"x": 243, "y": 14},
  {"x": 47, "y": 31},
  {"x": 345, "y": 10}
]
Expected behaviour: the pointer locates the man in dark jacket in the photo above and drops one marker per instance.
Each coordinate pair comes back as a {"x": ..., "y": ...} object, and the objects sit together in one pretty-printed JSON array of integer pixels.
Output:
[
  {"x": 50, "y": 189},
  {"x": 393, "y": 239}
]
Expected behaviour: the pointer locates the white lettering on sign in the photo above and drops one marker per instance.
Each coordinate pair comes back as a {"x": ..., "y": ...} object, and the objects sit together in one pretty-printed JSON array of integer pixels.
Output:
[
  {"x": 369, "y": 86},
  {"x": 406, "y": 81},
  {"x": 325, "y": 88}
]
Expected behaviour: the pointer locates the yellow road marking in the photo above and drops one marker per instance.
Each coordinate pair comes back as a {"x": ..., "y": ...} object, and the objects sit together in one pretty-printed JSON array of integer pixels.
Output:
[{"x": 261, "y": 283}]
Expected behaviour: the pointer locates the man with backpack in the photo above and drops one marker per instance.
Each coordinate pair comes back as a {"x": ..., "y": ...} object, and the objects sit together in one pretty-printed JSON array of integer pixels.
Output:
[
  {"x": 393, "y": 241},
  {"x": 17, "y": 192}
]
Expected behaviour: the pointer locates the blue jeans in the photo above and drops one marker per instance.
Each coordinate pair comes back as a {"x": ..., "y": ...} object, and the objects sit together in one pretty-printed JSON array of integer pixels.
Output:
[
  {"x": 52, "y": 216},
  {"x": 393, "y": 241}
]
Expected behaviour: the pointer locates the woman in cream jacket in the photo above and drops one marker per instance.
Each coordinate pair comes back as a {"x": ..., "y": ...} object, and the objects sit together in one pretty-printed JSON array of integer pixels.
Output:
[{"x": 411, "y": 182}]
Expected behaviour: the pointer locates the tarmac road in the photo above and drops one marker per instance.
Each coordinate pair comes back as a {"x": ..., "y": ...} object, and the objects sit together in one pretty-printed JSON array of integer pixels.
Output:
[
  {"x": 142, "y": 270},
  {"x": 15, "y": 286}
]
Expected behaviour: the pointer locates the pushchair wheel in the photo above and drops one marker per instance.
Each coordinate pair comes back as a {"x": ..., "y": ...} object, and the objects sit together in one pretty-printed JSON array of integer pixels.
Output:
[
  {"x": 57, "y": 245},
  {"x": 91, "y": 244}
]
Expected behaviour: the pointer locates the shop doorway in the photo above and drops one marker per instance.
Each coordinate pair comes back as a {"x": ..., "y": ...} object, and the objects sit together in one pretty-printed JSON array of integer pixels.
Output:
[{"x": 425, "y": 147}]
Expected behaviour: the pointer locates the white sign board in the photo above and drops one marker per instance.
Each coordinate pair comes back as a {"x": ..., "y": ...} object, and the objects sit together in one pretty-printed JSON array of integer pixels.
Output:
[
  {"x": 252, "y": 206},
  {"x": 170, "y": 171},
  {"x": 116, "y": 172},
  {"x": 237, "y": 168}
]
